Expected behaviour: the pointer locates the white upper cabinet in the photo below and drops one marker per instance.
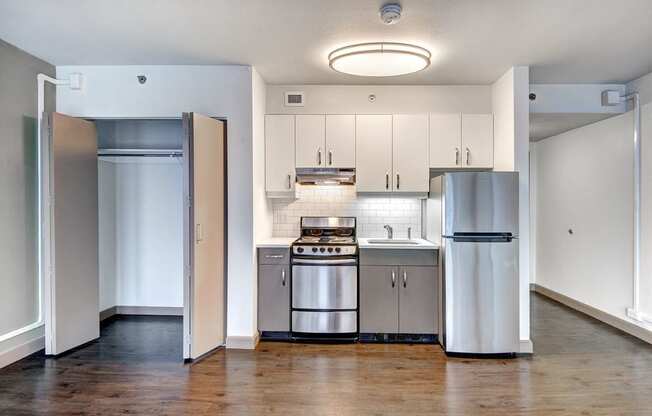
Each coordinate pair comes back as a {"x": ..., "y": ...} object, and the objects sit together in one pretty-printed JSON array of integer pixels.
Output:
[
  {"x": 340, "y": 141},
  {"x": 477, "y": 140},
  {"x": 373, "y": 153},
  {"x": 279, "y": 153},
  {"x": 461, "y": 141},
  {"x": 445, "y": 140},
  {"x": 410, "y": 153},
  {"x": 311, "y": 141}
]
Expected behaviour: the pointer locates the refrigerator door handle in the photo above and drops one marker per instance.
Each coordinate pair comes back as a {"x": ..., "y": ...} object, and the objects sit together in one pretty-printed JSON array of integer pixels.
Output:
[{"x": 484, "y": 238}]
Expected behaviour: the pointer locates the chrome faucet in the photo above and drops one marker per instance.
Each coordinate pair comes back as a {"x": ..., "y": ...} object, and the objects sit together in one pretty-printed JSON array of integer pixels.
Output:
[{"x": 390, "y": 231}]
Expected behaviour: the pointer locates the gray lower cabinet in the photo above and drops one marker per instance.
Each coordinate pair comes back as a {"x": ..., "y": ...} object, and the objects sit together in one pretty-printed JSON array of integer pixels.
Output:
[
  {"x": 417, "y": 301},
  {"x": 273, "y": 292},
  {"x": 378, "y": 299},
  {"x": 398, "y": 298}
]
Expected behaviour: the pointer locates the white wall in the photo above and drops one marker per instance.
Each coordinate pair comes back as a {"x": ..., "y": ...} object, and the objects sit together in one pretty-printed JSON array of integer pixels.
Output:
[
  {"x": 107, "y": 234},
  {"x": 502, "y": 103},
  {"x": 522, "y": 143},
  {"x": 584, "y": 183},
  {"x": 218, "y": 91},
  {"x": 141, "y": 232},
  {"x": 352, "y": 99},
  {"x": 262, "y": 207},
  {"x": 511, "y": 153}
]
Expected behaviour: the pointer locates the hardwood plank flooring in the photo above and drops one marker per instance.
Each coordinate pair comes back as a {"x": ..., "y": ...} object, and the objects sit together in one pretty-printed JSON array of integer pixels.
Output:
[{"x": 580, "y": 367}]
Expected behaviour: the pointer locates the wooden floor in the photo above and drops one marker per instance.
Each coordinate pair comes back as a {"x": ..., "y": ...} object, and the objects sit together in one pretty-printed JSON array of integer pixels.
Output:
[{"x": 580, "y": 367}]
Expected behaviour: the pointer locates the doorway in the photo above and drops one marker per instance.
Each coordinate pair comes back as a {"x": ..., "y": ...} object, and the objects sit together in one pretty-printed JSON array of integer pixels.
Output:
[
  {"x": 141, "y": 223},
  {"x": 152, "y": 237}
]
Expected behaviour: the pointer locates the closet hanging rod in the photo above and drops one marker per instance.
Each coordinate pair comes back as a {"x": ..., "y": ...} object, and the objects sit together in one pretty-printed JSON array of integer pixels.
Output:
[{"x": 141, "y": 152}]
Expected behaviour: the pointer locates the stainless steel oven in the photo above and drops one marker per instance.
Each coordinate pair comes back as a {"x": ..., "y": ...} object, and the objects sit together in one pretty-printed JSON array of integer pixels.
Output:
[{"x": 325, "y": 280}]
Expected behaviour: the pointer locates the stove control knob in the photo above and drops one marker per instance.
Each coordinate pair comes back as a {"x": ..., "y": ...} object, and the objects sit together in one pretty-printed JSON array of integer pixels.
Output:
[
  {"x": 299, "y": 249},
  {"x": 314, "y": 249},
  {"x": 322, "y": 249},
  {"x": 337, "y": 249},
  {"x": 330, "y": 249}
]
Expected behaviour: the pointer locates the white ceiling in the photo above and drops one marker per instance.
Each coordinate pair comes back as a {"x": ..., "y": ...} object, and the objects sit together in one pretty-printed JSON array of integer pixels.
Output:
[
  {"x": 473, "y": 41},
  {"x": 544, "y": 125}
]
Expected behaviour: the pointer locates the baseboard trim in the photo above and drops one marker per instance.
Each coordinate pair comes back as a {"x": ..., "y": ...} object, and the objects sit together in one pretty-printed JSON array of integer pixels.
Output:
[
  {"x": 21, "y": 351},
  {"x": 618, "y": 323},
  {"x": 526, "y": 346},
  {"x": 141, "y": 310},
  {"x": 108, "y": 312},
  {"x": 242, "y": 342}
]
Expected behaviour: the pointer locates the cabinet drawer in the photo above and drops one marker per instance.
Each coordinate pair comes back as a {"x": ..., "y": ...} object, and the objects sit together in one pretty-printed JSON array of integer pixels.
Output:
[
  {"x": 403, "y": 257},
  {"x": 273, "y": 256}
]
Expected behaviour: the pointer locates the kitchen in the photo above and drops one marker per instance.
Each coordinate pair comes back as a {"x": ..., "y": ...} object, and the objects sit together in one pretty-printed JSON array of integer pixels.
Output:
[{"x": 359, "y": 192}]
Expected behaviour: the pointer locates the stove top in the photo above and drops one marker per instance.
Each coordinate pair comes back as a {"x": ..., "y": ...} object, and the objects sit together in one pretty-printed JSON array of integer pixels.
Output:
[
  {"x": 325, "y": 240},
  {"x": 326, "y": 236}
]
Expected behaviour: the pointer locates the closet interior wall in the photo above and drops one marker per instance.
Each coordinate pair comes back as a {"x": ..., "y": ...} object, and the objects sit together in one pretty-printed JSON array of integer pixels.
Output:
[{"x": 140, "y": 217}]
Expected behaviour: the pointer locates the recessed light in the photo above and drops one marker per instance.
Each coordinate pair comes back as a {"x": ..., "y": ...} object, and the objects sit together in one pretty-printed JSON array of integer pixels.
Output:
[{"x": 379, "y": 59}]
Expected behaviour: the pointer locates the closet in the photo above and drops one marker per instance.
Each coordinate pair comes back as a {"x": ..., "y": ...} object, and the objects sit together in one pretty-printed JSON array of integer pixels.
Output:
[
  {"x": 140, "y": 213},
  {"x": 133, "y": 222}
]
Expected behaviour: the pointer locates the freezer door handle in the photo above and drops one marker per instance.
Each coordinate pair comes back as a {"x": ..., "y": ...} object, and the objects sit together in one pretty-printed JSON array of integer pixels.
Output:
[{"x": 483, "y": 238}]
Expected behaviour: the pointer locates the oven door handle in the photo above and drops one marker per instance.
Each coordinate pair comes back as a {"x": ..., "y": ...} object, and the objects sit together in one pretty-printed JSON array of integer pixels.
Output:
[{"x": 325, "y": 262}]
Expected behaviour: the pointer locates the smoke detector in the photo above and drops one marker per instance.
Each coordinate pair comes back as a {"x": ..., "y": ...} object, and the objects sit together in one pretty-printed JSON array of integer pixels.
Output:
[{"x": 390, "y": 13}]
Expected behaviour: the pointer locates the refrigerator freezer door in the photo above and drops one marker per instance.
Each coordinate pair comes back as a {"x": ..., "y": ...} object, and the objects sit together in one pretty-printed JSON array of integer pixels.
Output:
[
  {"x": 481, "y": 284},
  {"x": 480, "y": 202}
]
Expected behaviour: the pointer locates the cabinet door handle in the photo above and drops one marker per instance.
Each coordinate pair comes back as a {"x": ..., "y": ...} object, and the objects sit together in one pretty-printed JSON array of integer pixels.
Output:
[
  {"x": 393, "y": 278},
  {"x": 274, "y": 256},
  {"x": 330, "y": 157},
  {"x": 398, "y": 181},
  {"x": 404, "y": 278},
  {"x": 283, "y": 277},
  {"x": 468, "y": 157},
  {"x": 319, "y": 156},
  {"x": 386, "y": 180},
  {"x": 198, "y": 233},
  {"x": 289, "y": 181},
  {"x": 457, "y": 156}
]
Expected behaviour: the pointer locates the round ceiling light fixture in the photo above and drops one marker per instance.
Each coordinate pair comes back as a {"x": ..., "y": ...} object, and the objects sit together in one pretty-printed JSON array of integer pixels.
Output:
[{"x": 379, "y": 59}]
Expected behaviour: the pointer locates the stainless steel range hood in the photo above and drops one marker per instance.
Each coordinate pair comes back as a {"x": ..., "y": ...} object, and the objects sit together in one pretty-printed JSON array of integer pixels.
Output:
[{"x": 325, "y": 176}]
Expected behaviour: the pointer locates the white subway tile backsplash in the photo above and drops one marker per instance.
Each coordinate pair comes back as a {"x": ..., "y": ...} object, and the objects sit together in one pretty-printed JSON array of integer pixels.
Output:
[{"x": 372, "y": 213}]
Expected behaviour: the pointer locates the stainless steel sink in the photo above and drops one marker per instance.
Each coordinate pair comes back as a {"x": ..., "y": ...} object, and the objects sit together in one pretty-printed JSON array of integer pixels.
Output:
[{"x": 393, "y": 241}]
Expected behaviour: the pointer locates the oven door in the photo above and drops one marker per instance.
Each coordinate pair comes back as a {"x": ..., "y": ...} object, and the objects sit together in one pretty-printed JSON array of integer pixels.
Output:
[{"x": 325, "y": 284}]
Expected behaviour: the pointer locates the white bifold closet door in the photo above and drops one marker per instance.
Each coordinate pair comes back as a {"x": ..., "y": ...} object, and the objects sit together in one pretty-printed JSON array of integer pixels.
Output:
[
  {"x": 70, "y": 232},
  {"x": 204, "y": 157}
]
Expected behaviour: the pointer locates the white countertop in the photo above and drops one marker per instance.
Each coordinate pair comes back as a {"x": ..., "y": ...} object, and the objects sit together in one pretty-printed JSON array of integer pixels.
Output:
[
  {"x": 275, "y": 242},
  {"x": 285, "y": 242},
  {"x": 422, "y": 244}
]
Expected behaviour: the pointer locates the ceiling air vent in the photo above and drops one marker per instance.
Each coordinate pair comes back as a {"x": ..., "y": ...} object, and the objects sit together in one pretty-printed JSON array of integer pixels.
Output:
[{"x": 294, "y": 99}]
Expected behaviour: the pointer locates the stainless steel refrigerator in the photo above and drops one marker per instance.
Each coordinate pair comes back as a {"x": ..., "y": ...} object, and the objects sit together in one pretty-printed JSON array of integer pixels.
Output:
[{"x": 479, "y": 260}]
